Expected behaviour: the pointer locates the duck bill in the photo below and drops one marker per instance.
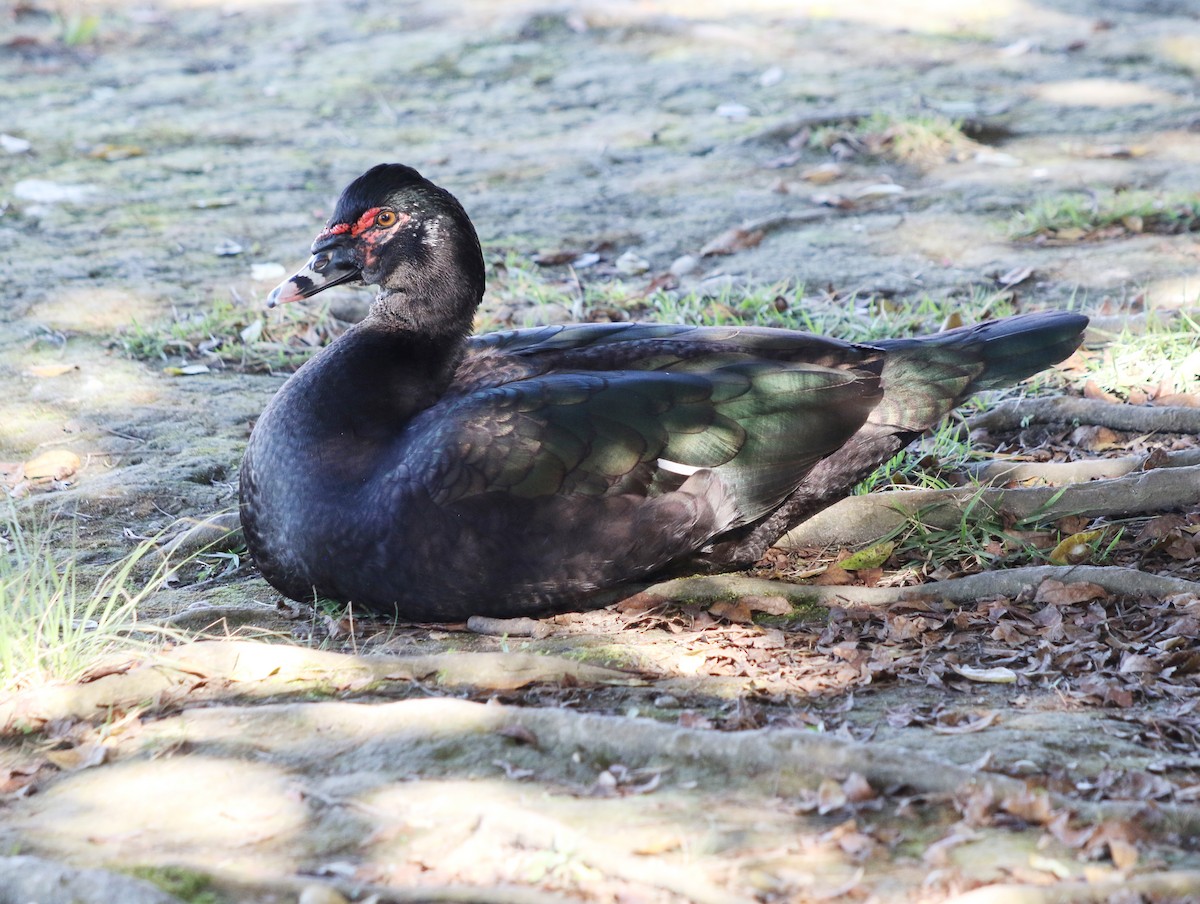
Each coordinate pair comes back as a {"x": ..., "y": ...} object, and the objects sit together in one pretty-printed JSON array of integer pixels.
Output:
[{"x": 325, "y": 269}]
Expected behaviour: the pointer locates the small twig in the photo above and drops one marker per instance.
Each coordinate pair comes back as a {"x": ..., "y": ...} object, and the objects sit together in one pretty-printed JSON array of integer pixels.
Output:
[
  {"x": 1018, "y": 413},
  {"x": 861, "y": 519}
]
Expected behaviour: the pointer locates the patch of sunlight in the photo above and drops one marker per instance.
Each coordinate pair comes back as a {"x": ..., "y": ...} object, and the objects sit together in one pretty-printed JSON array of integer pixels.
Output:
[
  {"x": 1183, "y": 50},
  {"x": 926, "y": 16},
  {"x": 505, "y": 831},
  {"x": 1164, "y": 357},
  {"x": 236, "y": 814},
  {"x": 1102, "y": 92},
  {"x": 37, "y": 413},
  {"x": 952, "y": 239},
  {"x": 95, "y": 310},
  {"x": 357, "y": 728},
  {"x": 1175, "y": 292}
]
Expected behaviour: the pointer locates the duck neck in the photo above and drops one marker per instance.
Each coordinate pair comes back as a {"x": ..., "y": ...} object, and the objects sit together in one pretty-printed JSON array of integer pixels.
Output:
[{"x": 372, "y": 381}]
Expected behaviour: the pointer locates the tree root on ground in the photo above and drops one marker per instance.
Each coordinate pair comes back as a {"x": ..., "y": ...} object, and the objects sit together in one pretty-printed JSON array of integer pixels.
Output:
[
  {"x": 856, "y": 520},
  {"x": 793, "y": 761},
  {"x": 239, "y": 669},
  {"x": 1006, "y": 582},
  {"x": 1018, "y": 413},
  {"x": 1183, "y": 885},
  {"x": 1058, "y": 473}
]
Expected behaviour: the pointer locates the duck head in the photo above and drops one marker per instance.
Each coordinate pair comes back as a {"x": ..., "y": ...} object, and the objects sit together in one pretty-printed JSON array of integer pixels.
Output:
[{"x": 395, "y": 229}]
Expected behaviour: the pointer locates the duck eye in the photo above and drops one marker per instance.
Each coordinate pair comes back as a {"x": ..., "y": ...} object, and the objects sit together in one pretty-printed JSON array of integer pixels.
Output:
[{"x": 385, "y": 219}]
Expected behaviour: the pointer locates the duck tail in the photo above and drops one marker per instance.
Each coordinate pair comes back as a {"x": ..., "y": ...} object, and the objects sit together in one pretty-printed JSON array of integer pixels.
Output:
[{"x": 924, "y": 378}]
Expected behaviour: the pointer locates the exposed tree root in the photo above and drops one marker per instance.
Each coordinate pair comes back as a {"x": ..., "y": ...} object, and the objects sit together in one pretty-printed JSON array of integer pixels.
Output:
[
  {"x": 238, "y": 669},
  {"x": 861, "y": 519},
  {"x": 509, "y": 627},
  {"x": 1058, "y": 473},
  {"x": 791, "y": 760},
  {"x": 969, "y": 589},
  {"x": 1018, "y": 413},
  {"x": 1183, "y": 886}
]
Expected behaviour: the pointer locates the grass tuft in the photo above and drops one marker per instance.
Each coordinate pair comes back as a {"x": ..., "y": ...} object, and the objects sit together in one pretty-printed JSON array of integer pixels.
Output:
[
  {"x": 231, "y": 335},
  {"x": 51, "y": 628},
  {"x": 1161, "y": 361},
  {"x": 1078, "y": 217},
  {"x": 922, "y": 139}
]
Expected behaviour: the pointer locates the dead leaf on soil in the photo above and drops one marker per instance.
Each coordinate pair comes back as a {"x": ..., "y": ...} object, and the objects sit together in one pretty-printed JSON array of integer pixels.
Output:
[
  {"x": 731, "y": 241},
  {"x": 56, "y": 464},
  {"x": 1075, "y": 549},
  {"x": 742, "y": 609},
  {"x": 662, "y": 844},
  {"x": 1095, "y": 439},
  {"x": 830, "y": 796},
  {"x": 555, "y": 258},
  {"x": 74, "y": 759},
  {"x": 834, "y": 576},
  {"x": 1177, "y": 399},
  {"x": 871, "y": 557},
  {"x": 823, "y": 174},
  {"x": 51, "y": 370},
  {"x": 1032, "y": 806},
  {"x": 1056, "y": 593},
  {"x": 1124, "y": 855},
  {"x": 965, "y": 723},
  {"x": 1092, "y": 390},
  {"x": 858, "y": 789},
  {"x": 998, "y": 675},
  {"x": 520, "y": 734}
]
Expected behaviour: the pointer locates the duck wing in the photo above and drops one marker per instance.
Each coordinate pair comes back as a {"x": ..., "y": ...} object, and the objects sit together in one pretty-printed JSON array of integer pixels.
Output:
[
  {"x": 760, "y": 426},
  {"x": 547, "y": 489}
]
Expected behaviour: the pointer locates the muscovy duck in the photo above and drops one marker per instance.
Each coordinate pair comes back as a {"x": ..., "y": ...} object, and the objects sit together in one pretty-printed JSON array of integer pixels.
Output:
[{"x": 416, "y": 471}]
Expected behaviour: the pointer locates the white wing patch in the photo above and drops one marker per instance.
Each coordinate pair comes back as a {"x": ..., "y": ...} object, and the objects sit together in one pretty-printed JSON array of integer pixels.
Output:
[{"x": 677, "y": 468}]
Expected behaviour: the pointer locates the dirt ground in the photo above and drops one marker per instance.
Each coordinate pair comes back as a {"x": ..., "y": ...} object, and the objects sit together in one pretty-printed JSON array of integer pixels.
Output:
[{"x": 160, "y": 158}]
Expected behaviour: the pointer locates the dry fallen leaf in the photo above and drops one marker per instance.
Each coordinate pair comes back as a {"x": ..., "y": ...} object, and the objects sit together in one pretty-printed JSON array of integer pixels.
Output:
[
  {"x": 830, "y": 796},
  {"x": 1030, "y": 805},
  {"x": 1124, "y": 855},
  {"x": 73, "y": 759},
  {"x": 734, "y": 610},
  {"x": 965, "y": 723},
  {"x": 834, "y": 576},
  {"x": 56, "y": 464},
  {"x": 732, "y": 240},
  {"x": 51, "y": 370},
  {"x": 857, "y": 788},
  {"x": 823, "y": 174},
  {"x": 662, "y": 844},
  {"x": 520, "y": 734},
  {"x": 1094, "y": 439},
  {"x": 1092, "y": 390},
  {"x": 1056, "y": 593},
  {"x": 998, "y": 675},
  {"x": 1177, "y": 399},
  {"x": 871, "y": 557},
  {"x": 1075, "y": 549}
]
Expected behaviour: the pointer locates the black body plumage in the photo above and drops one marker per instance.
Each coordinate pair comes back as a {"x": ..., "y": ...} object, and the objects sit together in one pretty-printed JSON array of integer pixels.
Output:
[{"x": 420, "y": 473}]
